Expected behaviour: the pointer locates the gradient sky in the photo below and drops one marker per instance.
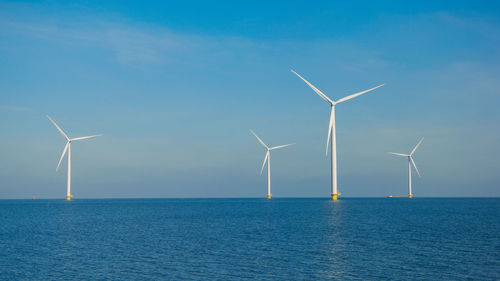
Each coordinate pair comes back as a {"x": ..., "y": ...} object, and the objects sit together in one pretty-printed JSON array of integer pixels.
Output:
[{"x": 175, "y": 88}]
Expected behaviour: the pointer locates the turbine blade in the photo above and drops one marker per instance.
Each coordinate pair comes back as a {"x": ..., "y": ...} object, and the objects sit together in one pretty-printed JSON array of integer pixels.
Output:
[
  {"x": 264, "y": 163},
  {"x": 84, "y": 138},
  {"x": 329, "y": 131},
  {"x": 60, "y": 130},
  {"x": 358, "y": 94},
  {"x": 315, "y": 89},
  {"x": 416, "y": 146},
  {"x": 415, "y": 166},
  {"x": 261, "y": 142},
  {"x": 281, "y": 146},
  {"x": 399, "y": 154},
  {"x": 62, "y": 156}
]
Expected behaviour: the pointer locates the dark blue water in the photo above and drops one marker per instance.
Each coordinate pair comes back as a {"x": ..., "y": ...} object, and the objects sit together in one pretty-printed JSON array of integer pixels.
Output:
[{"x": 205, "y": 239}]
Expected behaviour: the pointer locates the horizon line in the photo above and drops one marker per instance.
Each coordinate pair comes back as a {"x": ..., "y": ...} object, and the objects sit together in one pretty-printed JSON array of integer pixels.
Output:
[{"x": 274, "y": 197}]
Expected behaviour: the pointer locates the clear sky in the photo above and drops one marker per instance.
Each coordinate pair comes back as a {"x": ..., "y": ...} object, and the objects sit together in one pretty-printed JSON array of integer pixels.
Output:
[{"x": 176, "y": 86}]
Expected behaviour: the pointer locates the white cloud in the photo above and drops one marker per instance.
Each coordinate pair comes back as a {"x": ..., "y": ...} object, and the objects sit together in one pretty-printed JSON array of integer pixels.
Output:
[{"x": 12, "y": 108}]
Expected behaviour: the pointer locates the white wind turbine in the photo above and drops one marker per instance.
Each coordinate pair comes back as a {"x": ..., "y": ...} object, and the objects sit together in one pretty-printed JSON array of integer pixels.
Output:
[
  {"x": 410, "y": 162},
  {"x": 268, "y": 160},
  {"x": 331, "y": 129},
  {"x": 68, "y": 149}
]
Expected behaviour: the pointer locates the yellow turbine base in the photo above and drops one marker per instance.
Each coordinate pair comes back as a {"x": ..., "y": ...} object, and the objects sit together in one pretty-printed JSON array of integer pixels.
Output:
[
  {"x": 68, "y": 198},
  {"x": 410, "y": 196},
  {"x": 269, "y": 196},
  {"x": 334, "y": 197}
]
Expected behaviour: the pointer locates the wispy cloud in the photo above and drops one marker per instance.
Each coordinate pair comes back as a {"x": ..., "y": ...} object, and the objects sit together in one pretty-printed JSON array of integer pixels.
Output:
[
  {"x": 11, "y": 108},
  {"x": 135, "y": 43},
  {"x": 148, "y": 45},
  {"x": 477, "y": 25}
]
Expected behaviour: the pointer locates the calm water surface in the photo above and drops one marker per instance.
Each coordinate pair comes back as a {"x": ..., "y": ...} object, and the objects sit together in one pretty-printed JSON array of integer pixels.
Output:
[{"x": 202, "y": 239}]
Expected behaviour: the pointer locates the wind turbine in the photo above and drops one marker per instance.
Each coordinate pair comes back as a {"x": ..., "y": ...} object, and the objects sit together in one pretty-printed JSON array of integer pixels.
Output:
[
  {"x": 68, "y": 149},
  {"x": 331, "y": 129},
  {"x": 410, "y": 162},
  {"x": 268, "y": 160}
]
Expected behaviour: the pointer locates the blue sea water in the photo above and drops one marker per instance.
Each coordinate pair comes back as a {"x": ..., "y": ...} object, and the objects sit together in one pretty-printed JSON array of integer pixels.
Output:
[{"x": 230, "y": 239}]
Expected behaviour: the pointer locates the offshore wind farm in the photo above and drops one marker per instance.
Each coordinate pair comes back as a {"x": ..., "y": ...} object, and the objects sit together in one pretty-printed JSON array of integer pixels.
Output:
[{"x": 173, "y": 191}]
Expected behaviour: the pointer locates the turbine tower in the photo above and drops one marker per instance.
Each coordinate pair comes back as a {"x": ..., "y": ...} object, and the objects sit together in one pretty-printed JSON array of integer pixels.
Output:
[
  {"x": 331, "y": 130},
  {"x": 268, "y": 160},
  {"x": 410, "y": 162},
  {"x": 68, "y": 149}
]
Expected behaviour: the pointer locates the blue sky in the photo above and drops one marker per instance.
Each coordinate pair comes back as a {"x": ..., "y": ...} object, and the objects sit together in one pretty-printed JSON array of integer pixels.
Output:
[{"x": 174, "y": 88}]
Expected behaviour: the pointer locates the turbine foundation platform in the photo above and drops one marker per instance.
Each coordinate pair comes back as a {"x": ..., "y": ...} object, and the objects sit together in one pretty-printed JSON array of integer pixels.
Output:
[
  {"x": 269, "y": 196},
  {"x": 334, "y": 196},
  {"x": 68, "y": 198}
]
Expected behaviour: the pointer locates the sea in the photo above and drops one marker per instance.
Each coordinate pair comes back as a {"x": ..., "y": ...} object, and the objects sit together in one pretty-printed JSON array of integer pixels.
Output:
[{"x": 251, "y": 239}]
